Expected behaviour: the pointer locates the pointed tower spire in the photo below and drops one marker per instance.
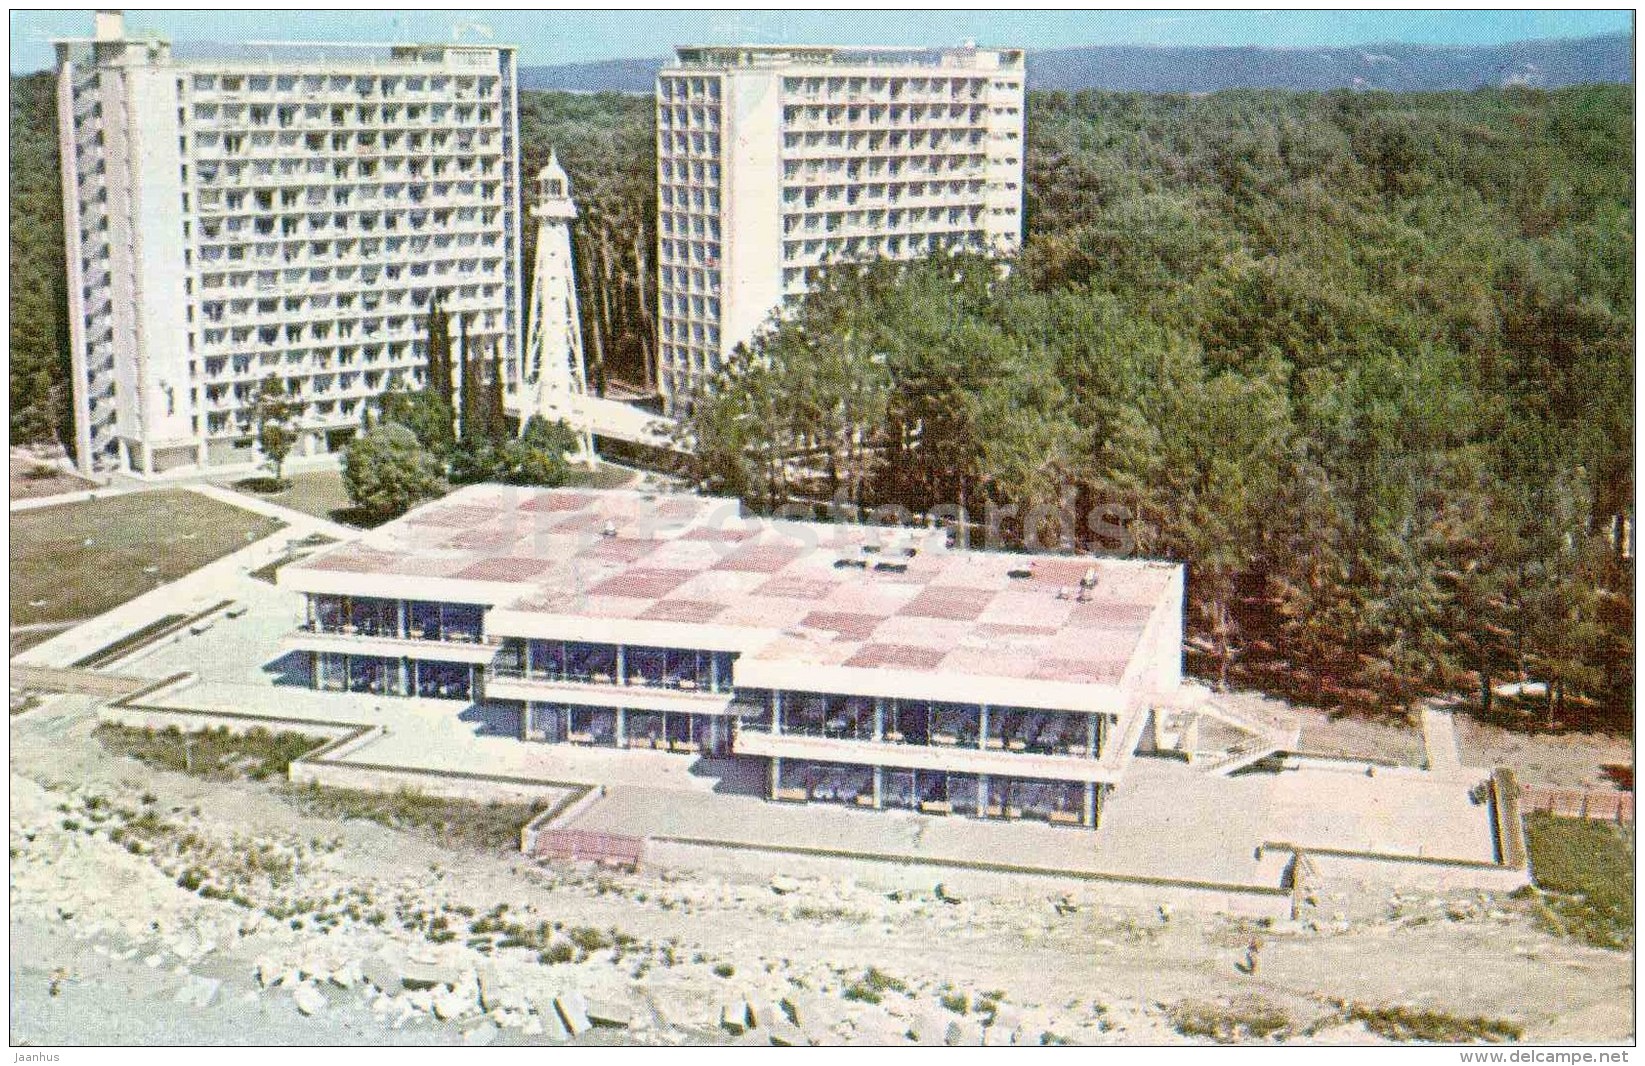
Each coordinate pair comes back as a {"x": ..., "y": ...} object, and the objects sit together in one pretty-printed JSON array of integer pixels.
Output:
[{"x": 554, "y": 370}]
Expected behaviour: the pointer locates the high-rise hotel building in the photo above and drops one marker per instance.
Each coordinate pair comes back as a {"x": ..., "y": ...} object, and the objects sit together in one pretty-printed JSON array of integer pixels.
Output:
[
  {"x": 283, "y": 210},
  {"x": 775, "y": 160}
]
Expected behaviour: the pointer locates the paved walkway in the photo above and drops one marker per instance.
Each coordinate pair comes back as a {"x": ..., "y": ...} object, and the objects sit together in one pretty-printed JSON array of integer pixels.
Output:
[
  {"x": 1439, "y": 738},
  {"x": 37, "y": 502},
  {"x": 225, "y": 578},
  {"x": 84, "y": 682}
]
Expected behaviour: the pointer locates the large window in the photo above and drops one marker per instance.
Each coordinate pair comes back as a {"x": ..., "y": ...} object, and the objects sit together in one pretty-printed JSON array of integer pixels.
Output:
[
  {"x": 557, "y": 660},
  {"x": 434, "y": 680}
]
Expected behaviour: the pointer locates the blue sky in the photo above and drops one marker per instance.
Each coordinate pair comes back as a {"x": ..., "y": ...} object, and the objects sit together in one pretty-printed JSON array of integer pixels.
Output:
[{"x": 548, "y": 37}]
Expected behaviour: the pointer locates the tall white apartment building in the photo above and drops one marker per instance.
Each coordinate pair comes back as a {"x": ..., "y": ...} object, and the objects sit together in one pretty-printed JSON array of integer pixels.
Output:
[
  {"x": 775, "y": 160},
  {"x": 285, "y": 210}
]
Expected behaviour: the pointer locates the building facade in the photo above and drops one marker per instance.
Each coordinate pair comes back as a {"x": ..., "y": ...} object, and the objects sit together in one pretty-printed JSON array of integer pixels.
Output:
[
  {"x": 275, "y": 210},
  {"x": 861, "y": 666},
  {"x": 774, "y": 161}
]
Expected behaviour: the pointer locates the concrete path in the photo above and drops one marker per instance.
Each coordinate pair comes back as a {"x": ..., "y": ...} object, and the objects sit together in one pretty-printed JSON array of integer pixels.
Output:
[
  {"x": 36, "y": 502},
  {"x": 298, "y": 520},
  {"x": 212, "y": 583},
  {"x": 84, "y": 682},
  {"x": 226, "y": 578},
  {"x": 1439, "y": 739}
]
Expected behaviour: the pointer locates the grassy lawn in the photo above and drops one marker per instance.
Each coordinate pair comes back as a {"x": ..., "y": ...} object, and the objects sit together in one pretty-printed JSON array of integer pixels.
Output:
[
  {"x": 601, "y": 477},
  {"x": 313, "y": 492},
  {"x": 1585, "y": 870},
  {"x": 81, "y": 559}
]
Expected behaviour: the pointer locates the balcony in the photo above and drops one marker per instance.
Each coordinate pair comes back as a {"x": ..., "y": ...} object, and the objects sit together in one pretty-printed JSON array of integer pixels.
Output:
[
  {"x": 751, "y": 741},
  {"x": 465, "y": 649},
  {"x": 602, "y": 690}
]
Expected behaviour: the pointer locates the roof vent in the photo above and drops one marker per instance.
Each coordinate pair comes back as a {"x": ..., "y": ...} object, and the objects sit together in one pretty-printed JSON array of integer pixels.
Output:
[{"x": 610, "y": 529}]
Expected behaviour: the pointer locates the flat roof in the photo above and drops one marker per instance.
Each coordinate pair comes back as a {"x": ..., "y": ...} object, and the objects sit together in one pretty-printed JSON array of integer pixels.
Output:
[{"x": 813, "y": 593}]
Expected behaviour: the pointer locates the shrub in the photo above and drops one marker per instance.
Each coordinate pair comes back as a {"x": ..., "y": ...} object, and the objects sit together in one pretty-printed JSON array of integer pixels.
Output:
[
  {"x": 588, "y": 938},
  {"x": 1229, "y": 1023},
  {"x": 1408, "y": 1024}
]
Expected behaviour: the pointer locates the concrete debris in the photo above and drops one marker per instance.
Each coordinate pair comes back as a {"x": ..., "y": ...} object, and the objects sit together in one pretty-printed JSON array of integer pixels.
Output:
[
  {"x": 490, "y": 986},
  {"x": 481, "y": 1034},
  {"x": 553, "y": 1025},
  {"x": 383, "y": 972},
  {"x": 198, "y": 991},
  {"x": 308, "y": 999},
  {"x": 416, "y": 975},
  {"x": 269, "y": 972},
  {"x": 610, "y": 1014},
  {"x": 573, "y": 1011},
  {"x": 453, "y": 1003},
  {"x": 347, "y": 975},
  {"x": 734, "y": 1016},
  {"x": 802, "y": 1009},
  {"x": 185, "y": 945},
  {"x": 781, "y": 1032}
]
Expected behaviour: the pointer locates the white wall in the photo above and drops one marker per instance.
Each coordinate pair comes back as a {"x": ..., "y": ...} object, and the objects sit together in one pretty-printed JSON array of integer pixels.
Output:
[
  {"x": 162, "y": 300},
  {"x": 751, "y": 240}
]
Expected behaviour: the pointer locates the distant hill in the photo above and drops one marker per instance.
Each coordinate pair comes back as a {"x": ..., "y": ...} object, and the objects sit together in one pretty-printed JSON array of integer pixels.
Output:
[
  {"x": 1136, "y": 68},
  {"x": 1394, "y": 67},
  {"x": 599, "y": 76}
]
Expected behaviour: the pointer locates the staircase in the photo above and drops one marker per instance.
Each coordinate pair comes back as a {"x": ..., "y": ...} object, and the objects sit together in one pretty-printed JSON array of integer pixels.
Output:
[{"x": 1265, "y": 733}]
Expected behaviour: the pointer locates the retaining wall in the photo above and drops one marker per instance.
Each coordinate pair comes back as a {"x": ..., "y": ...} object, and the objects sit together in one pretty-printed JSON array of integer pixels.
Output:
[{"x": 886, "y": 873}]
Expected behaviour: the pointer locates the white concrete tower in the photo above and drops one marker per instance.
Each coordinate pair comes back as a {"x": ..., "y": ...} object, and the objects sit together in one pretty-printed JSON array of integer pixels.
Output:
[{"x": 554, "y": 366}]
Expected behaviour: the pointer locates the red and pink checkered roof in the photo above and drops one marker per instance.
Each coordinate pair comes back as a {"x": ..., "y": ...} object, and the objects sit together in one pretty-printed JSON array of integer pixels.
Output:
[{"x": 828, "y": 594}]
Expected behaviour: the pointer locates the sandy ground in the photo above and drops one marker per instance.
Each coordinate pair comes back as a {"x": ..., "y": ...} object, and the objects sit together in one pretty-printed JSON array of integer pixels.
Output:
[
  {"x": 1571, "y": 760},
  {"x": 105, "y": 940}
]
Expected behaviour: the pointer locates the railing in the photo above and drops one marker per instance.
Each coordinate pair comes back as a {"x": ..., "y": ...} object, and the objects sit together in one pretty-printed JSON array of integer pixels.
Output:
[
  {"x": 1015, "y": 743},
  {"x": 580, "y": 845},
  {"x": 1578, "y": 803},
  {"x": 347, "y": 630},
  {"x": 606, "y": 679}
]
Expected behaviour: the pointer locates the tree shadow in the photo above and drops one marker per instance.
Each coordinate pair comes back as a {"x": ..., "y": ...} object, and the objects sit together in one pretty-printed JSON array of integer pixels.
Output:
[
  {"x": 733, "y": 776},
  {"x": 292, "y": 670},
  {"x": 493, "y": 720},
  {"x": 356, "y": 516}
]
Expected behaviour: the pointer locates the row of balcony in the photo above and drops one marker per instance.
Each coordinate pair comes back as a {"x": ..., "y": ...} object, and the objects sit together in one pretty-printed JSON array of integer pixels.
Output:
[
  {"x": 316, "y": 175},
  {"x": 306, "y": 122},
  {"x": 218, "y": 251},
  {"x": 205, "y": 154},
  {"x": 228, "y": 349}
]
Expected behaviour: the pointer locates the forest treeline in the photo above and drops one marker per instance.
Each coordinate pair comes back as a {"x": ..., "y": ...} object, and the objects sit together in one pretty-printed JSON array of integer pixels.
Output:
[{"x": 1364, "y": 361}]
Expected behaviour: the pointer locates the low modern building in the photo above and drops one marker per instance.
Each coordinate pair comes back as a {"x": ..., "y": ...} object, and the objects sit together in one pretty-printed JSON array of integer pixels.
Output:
[
  {"x": 866, "y": 666},
  {"x": 266, "y": 210}
]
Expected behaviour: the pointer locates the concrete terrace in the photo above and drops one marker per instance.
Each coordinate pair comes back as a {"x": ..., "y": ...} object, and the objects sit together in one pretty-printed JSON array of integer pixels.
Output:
[{"x": 1164, "y": 820}]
